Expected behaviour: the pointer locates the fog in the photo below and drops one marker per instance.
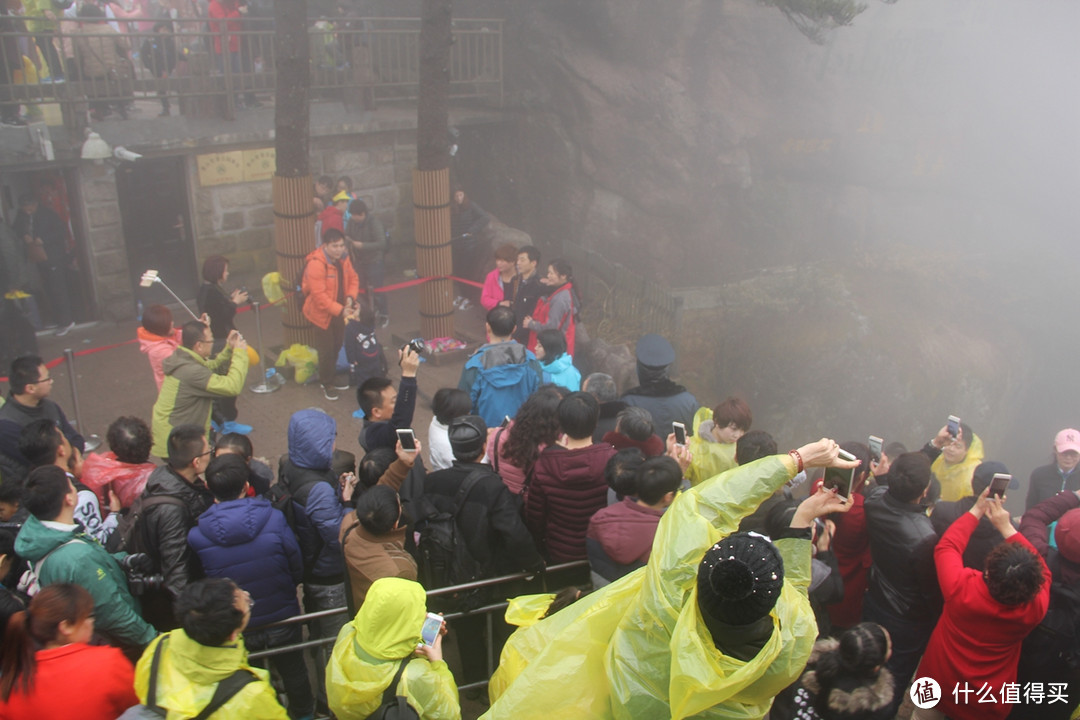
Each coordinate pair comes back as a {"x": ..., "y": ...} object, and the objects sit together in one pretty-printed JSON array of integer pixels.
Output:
[
  {"x": 968, "y": 116},
  {"x": 886, "y": 222}
]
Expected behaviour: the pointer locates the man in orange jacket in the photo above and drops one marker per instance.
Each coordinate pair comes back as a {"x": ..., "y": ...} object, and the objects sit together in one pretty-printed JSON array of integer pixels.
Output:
[{"x": 330, "y": 285}]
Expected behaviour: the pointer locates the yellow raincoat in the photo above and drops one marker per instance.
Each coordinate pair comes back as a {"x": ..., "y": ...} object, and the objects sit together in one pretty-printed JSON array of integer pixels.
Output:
[
  {"x": 956, "y": 479},
  {"x": 369, "y": 651},
  {"x": 639, "y": 648},
  {"x": 189, "y": 674},
  {"x": 710, "y": 457}
]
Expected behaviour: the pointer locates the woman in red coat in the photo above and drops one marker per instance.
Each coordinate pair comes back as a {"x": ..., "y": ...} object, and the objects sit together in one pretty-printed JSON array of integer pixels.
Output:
[
  {"x": 66, "y": 677},
  {"x": 976, "y": 644}
]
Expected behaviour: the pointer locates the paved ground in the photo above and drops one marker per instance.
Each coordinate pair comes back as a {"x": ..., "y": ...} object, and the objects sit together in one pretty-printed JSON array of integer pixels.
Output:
[{"x": 118, "y": 381}]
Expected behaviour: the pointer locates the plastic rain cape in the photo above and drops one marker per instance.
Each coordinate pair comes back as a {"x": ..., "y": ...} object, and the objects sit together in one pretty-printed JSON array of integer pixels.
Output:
[{"x": 639, "y": 648}]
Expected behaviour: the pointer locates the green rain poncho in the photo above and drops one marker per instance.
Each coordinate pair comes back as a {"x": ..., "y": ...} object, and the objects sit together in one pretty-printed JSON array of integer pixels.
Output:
[
  {"x": 370, "y": 649},
  {"x": 639, "y": 648}
]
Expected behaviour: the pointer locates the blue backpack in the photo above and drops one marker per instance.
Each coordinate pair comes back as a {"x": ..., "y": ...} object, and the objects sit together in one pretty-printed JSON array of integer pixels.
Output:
[{"x": 499, "y": 391}]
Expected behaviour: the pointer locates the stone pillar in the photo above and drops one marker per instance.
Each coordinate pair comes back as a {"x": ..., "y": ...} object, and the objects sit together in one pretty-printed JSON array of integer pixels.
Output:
[{"x": 104, "y": 238}]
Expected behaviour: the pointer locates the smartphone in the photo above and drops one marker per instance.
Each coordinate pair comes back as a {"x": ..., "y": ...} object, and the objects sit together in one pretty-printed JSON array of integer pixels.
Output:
[
  {"x": 407, "y": 439},
  {"x": 680, "y": 433},
  {"x": 432, "y": 626},
  {"x": 840, "y": 478},
  {"x": 999, "y": 484},
  {"x": 506, "y": 421},
  {"x": 953, "y": 425},
  {"x": 876, "y": 446}
]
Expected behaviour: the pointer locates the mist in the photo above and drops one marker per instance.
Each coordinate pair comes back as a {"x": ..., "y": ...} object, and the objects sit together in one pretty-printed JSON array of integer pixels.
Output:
[{"x": 868, "y": 234}]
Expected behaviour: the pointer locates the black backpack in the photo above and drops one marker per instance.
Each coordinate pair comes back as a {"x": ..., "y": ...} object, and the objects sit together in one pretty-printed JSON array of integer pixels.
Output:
[
  {"x": 223, "y": 693},
  {"x": 394, "y": 706},
  {"x": 130, "y": 533},
  {"x": 285, "y": 500},
  {"x": 443, "y": 558}
]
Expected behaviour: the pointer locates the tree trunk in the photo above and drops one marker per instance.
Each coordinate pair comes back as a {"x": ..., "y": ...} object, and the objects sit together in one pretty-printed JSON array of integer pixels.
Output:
[
  {"x": 294, "y": 213},
  {"x": 431, "y": 180}
]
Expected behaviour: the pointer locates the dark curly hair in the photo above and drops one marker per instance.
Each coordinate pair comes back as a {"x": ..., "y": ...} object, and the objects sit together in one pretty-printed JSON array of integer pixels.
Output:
[
  {"x": 536, "y": 423},
  {"x": 860, "y": 655},
  {"x": 1014, "y": 574}
]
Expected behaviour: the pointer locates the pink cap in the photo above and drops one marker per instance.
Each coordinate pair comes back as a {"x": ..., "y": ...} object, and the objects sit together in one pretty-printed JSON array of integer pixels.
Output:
[{"x": 1067, "y": 439}]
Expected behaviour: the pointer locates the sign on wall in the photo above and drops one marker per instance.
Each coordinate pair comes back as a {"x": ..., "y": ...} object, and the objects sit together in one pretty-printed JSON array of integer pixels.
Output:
[
  {"x": 221, "y": 168},
  {"x": 260, "y": 164}
]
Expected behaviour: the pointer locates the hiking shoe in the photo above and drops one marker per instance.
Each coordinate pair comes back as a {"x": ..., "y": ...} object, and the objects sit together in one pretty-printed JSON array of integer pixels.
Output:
[
  {"x": 329, "y": 392},
  {"x": 341, "y": 384}
]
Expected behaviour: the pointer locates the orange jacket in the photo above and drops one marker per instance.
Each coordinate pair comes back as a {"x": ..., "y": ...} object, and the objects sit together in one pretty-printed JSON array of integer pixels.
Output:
[{"x": 320, "y": 284}]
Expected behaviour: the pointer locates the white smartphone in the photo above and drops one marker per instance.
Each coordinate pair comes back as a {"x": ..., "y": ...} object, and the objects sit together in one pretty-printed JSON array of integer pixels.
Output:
[
  {"x": 432, "y": 626},
  {"x": 999, "y": 484},
  {"x": 407, "y": 439},
  {"x": 680, "y": 433},
  {"x": 953, "y": 425},
  {"x": 876, "y": 447},
  {"x": 840, "y": 478}
]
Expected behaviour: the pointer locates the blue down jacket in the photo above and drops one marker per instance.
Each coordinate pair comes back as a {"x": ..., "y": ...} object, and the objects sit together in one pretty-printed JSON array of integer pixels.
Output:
[
  {"x": 250, "y": 542},
  {"x": 305, "y": 471}
]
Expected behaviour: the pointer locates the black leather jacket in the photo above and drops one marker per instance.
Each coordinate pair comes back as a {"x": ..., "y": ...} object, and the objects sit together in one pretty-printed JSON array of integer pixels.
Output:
[
  {"x": 167, "y": 527},
  {"x": 902, "y": 540}
]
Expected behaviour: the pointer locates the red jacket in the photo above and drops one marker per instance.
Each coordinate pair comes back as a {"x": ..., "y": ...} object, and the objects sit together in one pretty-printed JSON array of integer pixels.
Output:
[
  {"x": 568, "y": 487},
  {"x": 332, "y": 217},
  {"x": 229, "y": 11},
  {"x": 851, "y": 546},
  {"x": 320, "y": 284},
  {"x": 977, "y": 640},
  {"x": 653, "y": 447},
  {"x": 77, "y": 680},
  {"x": 625, "y": 530}
]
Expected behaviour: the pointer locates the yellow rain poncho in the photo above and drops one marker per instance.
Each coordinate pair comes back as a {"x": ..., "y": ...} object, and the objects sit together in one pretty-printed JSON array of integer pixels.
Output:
[
  {"x": 370, "y": 649},
  {"x": 189, "y": 674},
  {"x": 710, "y": 457},
  {"x": 639, "y": 648},
  {"x": 956, "y": 479}
]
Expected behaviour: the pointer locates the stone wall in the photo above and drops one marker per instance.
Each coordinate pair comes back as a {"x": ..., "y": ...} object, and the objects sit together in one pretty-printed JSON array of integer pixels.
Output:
[
  {"x": 237, "y": 220},
  {"x": 105, "y": 240}
]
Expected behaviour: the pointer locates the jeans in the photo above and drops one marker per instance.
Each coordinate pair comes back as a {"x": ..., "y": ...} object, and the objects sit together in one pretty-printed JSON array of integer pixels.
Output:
[
  {"x": 324, "y": 597},
  {"x": 291, "y": 666},
  {"x": 372, "y": 275}
]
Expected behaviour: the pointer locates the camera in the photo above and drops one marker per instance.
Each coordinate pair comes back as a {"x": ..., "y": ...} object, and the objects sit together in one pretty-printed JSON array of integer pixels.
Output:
[
  {"x": 417, "y": 344},
  {"x": 138, "y": 583}
]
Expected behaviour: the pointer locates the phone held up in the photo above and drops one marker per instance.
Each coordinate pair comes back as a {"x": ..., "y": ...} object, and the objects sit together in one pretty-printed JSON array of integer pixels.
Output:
[
  {"x": 840, "y": 479},
  {"x": 407, "y": 439},
  {"x": 432, "y": 626},
  {"x": 876, "y": 447},
  {"x": 680, "y": 433},
  {"x": 953, "y": 425},
  {"x": 999, "y": 484}
]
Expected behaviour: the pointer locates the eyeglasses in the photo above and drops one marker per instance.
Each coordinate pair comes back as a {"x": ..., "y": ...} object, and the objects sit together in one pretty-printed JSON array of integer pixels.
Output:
[
  {"x": 208, "y": 452},
  {"x": 44, "y": 380}
]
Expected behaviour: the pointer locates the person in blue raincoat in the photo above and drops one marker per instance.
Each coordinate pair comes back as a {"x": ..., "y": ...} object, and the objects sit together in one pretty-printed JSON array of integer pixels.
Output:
[{"x": 714, "y": 626}]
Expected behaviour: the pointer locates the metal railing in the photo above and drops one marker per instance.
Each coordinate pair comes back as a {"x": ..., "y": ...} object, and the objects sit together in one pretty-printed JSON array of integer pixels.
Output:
[
  {"x": 212, "y": 66},
  {"x": 487, "y": 610}
]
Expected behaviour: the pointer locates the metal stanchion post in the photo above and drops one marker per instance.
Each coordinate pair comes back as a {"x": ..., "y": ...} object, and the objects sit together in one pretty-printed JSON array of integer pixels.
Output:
[
  {"x": 93, "y": 442},
  {"x": 262, "y": 387}
]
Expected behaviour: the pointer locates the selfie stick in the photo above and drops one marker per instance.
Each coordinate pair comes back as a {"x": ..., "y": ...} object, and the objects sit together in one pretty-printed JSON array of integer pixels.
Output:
[{"x": 151, "y": 276}]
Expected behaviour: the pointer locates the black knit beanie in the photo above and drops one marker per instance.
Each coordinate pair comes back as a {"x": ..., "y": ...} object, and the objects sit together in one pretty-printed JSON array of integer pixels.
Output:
[{"x": 740, "y": 578}]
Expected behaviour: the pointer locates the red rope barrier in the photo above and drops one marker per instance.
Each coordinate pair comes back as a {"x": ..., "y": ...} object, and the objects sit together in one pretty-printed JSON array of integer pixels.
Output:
[{"x": 247, "y": 308}]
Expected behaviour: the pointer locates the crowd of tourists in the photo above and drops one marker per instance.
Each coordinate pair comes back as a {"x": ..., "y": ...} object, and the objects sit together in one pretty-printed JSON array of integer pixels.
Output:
[{"x": 726, "y": 578}]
